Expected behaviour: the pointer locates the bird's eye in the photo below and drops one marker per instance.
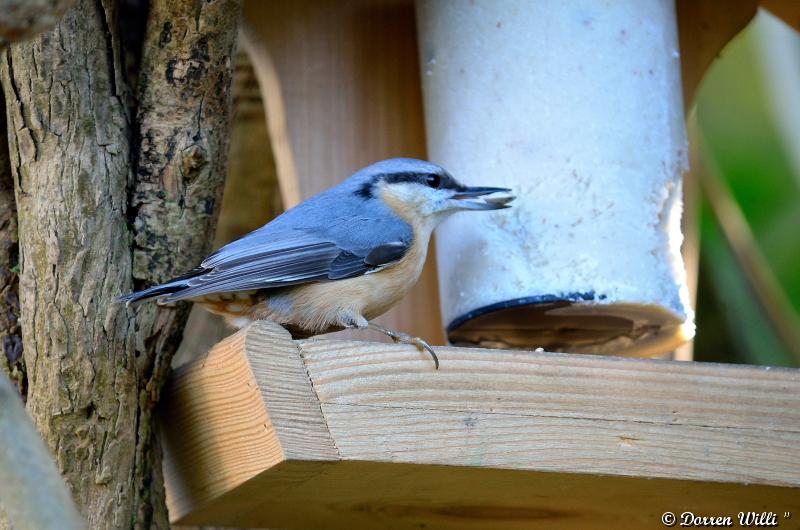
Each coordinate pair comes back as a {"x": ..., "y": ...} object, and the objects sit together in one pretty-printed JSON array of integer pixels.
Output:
[{"x": 433, "y": 180}]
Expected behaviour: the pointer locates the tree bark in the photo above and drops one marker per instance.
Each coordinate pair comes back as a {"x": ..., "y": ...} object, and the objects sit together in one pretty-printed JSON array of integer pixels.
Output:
[
  {"x": 184, "y": 113},
  {"x": 184, "y": 121},
  {"x": 19, "y": 19},
  {"x": 11, "y": 361},
  {"x": 252, "y": 195}
]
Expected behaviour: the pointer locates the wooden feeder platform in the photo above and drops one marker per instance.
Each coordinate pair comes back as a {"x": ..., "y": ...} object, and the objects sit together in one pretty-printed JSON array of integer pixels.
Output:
[{"x": 267, "y": 432}]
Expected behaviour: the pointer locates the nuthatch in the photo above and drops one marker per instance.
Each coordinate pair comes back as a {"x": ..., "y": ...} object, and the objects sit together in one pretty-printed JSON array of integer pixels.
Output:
[{"x": 337, "y": 260}]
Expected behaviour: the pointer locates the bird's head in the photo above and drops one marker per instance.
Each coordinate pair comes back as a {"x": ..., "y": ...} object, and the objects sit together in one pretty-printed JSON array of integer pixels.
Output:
[{"x": 416, "y": 189}]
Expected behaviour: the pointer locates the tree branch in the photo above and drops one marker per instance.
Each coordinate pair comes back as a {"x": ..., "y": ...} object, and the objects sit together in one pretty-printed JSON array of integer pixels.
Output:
[{"x": 181, "y": 163}]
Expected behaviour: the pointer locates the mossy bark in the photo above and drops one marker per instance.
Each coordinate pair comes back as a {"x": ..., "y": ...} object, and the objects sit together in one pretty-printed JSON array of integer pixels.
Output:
[{"x": 110, "y": 198}]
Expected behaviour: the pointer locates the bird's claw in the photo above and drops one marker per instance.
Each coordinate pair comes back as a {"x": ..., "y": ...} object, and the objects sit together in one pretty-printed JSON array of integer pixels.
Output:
[
  {"x": 416, "y": 341},
  {"x": 404, "y": 338}
]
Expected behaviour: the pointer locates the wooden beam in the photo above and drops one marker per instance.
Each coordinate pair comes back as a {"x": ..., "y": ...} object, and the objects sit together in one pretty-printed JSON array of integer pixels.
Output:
[{"x": 266, "y": 431}]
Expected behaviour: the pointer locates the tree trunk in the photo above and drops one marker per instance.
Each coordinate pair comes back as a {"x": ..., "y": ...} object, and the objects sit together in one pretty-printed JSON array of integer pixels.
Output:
[
  {"x": 19, "y": 20},
  {"x": 183, "y": 120},
  {"x": 69, "y": 134},
  {"x": 94, "y": 371}
]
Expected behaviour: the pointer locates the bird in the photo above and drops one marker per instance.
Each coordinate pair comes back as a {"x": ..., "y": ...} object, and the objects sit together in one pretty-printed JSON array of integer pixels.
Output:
[{"x": 337, "y": 260}]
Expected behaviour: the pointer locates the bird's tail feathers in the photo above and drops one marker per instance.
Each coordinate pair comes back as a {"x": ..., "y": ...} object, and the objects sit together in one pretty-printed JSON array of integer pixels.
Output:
[{"x": 156, "y": 292}]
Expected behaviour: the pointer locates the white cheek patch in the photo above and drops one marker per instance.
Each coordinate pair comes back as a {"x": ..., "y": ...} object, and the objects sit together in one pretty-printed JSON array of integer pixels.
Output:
[
  {"x": 408, "y": 192},
  {"x": 415, "y": 203}
]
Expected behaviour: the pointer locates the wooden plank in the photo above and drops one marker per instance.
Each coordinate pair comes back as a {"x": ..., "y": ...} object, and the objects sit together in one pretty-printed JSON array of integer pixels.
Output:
[
  {"x": 215, "y": 430},
  {"x": 292, "y": 403},
  {"x": 548, "y": 411},
  {"x": 704, "y": 28},
  {"x": 707, "y": 26},
  {"x": 786, "y": 10},
  {"x": 365, "y": 435},
  {"x": 367, "y": 495},
  {"x": 558, "y": 385}
]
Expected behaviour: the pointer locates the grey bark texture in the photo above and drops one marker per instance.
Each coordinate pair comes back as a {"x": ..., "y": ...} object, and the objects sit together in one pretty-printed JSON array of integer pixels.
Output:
[
  {"x": 23, "y": 19},
  {"x": 33, "y": 495},
  {"x": 11, "y": 361},
  {"x": 184, "y": 113},
  {"x": 94, "y": 369}
]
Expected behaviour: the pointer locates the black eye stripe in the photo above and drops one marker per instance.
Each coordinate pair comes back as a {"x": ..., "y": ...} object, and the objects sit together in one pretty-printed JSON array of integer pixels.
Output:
[
  {"x": 431, "y": 179},
  {"x": 434, "y": 180}
]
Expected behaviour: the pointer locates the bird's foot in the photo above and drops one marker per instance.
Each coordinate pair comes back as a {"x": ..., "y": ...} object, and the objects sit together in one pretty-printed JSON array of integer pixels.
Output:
[{"x": 405, "y": 338}]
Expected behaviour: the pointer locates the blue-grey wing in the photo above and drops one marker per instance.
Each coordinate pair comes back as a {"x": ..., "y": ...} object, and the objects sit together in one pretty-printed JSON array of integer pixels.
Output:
[{"x": 294, "y": 251}]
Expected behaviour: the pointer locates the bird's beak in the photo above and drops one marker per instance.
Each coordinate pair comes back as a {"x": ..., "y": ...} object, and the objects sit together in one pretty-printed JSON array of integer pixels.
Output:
[{"x": 487, "y": 198}]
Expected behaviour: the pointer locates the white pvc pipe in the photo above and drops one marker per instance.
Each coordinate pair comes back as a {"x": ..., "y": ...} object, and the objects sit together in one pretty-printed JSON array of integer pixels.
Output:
[{"x": 577, "y": 106}]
